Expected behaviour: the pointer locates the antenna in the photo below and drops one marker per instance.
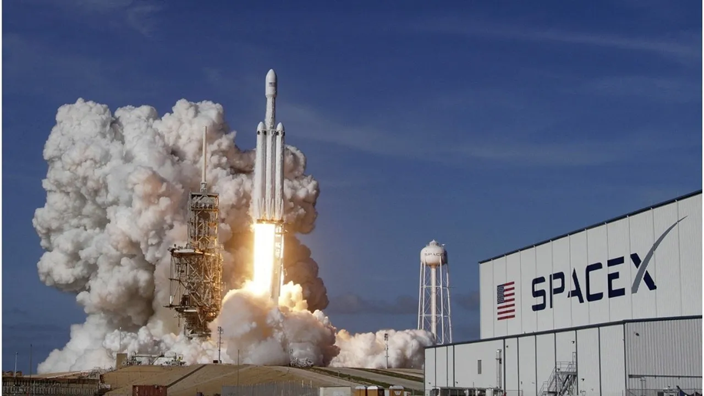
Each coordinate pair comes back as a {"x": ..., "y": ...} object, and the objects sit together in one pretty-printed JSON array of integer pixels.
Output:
[{"x": 203, "y": 185}]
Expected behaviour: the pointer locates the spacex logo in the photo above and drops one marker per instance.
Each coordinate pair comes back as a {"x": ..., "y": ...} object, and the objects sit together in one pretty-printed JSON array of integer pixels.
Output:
[{"x": 556, "y": 281}]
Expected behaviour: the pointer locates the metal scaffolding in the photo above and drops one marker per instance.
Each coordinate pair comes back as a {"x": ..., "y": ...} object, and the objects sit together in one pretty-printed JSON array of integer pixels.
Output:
[{"x": 196, "y": 268}]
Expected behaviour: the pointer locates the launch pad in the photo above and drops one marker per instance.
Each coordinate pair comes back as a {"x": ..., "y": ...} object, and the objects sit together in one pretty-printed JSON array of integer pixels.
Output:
[
  {"x": 196, "y": 268},
  {"x": 196, "y": 288}
]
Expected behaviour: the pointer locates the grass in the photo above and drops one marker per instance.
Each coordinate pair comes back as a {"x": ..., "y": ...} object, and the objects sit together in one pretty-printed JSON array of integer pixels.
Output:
[
  {"x": 360, "y": 380},
  {"x": 393, "y": 374}
]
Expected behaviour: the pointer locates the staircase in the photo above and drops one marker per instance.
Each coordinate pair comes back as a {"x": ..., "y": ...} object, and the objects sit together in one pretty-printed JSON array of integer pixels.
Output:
[{"x": 562, "y": 380}]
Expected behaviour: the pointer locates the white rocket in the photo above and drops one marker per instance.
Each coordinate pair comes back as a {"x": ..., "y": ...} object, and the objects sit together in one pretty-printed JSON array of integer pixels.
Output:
[{"x": 268, "y": 193}]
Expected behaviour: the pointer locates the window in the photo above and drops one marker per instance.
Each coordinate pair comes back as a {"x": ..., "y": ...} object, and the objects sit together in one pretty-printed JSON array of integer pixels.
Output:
[{"x": 479, "y": 366}]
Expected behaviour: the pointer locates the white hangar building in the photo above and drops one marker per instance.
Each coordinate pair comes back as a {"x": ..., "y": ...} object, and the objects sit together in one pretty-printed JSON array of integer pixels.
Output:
[{"x": 612, "y": 309}]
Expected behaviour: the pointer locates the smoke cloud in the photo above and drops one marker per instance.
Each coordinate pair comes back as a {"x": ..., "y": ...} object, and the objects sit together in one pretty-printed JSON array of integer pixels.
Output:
[{"x": 117, "y": 191}]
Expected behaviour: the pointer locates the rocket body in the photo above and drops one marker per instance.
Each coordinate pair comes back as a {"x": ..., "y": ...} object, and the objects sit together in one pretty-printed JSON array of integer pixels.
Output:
[{"x": 268, "y": 191}]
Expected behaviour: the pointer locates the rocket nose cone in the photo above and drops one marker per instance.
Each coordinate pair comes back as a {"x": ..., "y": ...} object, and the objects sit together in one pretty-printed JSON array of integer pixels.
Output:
[
  {"x": 260, "y": 127},
  {"x": 271, "y": 83},
  {"x": 280, "y": 127}
]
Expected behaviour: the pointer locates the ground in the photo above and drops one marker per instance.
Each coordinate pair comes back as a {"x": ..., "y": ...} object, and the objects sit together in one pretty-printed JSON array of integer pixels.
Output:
[{"x": 209, "y": 378}]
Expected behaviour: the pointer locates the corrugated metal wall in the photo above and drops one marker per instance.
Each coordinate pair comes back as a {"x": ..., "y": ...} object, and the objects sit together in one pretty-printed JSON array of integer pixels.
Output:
[
  {"x": 656, "y": 354},
  {"x": 526, "y": 361},
  {"x": 588, "y": 361},
  {"x": 545, "y": 358},
  {"x": 441, "y": 369},
  {"x": 669, "y": 351},
  {"x": 613, "y": 367},
  {"x": 511, "y": 366},
  {"x": 466, "y": 370}
]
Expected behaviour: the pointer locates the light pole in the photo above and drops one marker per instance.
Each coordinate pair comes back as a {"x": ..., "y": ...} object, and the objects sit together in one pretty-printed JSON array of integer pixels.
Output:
[
  {"x": 386, "y": 342},
  {"x": 219, "y": 343},
  {"x": 30, "y": 369}
]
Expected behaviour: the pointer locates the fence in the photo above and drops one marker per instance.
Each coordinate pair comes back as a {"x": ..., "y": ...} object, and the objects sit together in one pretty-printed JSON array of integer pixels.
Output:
[
  {"x": 40, "y": 387},
  {"x": 662, "y": 392},
  {"x": 296, "y": 388}
]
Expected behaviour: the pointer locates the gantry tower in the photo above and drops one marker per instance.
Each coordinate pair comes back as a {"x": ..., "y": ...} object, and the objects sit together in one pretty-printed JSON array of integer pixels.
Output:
[{"x": 196, "y": 268}]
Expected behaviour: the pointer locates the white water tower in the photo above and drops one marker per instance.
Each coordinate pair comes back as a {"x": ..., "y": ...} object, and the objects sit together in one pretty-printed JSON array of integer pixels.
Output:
[{"x": 434, "y": 293}]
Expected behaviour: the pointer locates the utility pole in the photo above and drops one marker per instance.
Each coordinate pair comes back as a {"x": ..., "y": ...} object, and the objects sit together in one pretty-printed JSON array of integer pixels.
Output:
[
  {"x": 119, "y": 348},
  {"x": 30, "y": 370},
  {"x": 15, "y": 374},
  {"x": 219, "y": 343},
  {"x": 386, "y": 342}
]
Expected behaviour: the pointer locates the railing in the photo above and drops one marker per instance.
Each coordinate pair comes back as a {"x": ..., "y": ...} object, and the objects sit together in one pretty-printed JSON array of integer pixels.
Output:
[
  {"x": 662, "y": 392},
  {"x": 562, "y": 379}
]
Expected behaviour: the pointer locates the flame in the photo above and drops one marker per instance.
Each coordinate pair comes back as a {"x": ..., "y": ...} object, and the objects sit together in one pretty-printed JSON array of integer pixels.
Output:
[{"x": 264, "y": 235}]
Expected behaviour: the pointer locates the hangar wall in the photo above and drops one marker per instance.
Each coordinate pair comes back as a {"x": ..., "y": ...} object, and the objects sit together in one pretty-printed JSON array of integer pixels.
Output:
[
  {"x": 643, "y": 265},
  {"x": 609, "y": 359}
]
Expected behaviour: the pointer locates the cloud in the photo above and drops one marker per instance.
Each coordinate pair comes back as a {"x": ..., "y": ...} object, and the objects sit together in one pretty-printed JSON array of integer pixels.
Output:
[
  {"x": 686, "y": 47},
  {"x": 32, "y": 65},
  {"x": 573, "y": 153},
  {"x": 468, "y": 301},
  {"x": 667, "y": 90},
  {"x": 353, "y": 304},
  {"x": 17, "y": 312},
  {"x": 27, "y": 327},
  {"x": 476, "y": 146},
  {"x": 36, "y": 69},
  {"x": 138, "y": 15}
]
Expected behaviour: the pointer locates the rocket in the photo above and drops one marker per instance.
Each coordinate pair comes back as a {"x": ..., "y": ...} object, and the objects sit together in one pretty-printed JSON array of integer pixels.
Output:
[{"x": 268, "y": 192}]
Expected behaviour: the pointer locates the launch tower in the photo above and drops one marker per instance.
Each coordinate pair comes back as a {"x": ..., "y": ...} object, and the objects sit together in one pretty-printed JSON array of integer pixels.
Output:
[
  {"x": 433, "y": 262},
  {"x": 196, "y": 268}
]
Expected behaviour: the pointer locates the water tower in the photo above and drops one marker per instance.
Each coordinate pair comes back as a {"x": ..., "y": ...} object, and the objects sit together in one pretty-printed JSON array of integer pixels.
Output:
[{"x": 434, "y": 293}]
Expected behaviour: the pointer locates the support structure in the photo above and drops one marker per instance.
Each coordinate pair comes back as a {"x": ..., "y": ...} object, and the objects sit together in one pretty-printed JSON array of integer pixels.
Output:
[
  {"x": 196, "y": 267},
  {"x": 434, "y": 312}
]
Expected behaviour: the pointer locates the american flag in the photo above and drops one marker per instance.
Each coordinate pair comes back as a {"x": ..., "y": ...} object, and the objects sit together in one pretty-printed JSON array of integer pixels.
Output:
[{"x": 505, "y": 301}]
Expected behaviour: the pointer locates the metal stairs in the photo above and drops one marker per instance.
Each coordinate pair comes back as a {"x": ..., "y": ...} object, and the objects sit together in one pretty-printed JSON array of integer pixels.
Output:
[{"x": 563, "y": 379}]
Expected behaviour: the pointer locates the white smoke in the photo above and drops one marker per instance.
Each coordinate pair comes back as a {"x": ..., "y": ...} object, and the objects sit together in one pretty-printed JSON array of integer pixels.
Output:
[
  {"x": 117, "y": 189},
  {"x": 369, "y": 349}
]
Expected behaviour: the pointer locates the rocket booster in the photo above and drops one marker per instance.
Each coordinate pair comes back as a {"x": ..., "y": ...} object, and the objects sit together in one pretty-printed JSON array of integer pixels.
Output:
[{"x": 268, "y": 192}]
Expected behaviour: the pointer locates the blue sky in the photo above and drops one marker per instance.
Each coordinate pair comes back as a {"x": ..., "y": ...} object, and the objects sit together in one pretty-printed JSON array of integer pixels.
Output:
[{"x": 485, "y": 125}]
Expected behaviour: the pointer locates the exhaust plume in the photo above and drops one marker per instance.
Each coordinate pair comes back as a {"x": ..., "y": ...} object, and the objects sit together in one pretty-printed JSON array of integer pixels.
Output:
[{"x": 117, "y": 191}]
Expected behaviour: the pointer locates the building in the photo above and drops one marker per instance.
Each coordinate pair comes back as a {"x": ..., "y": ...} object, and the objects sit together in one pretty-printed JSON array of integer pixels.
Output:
[{"x": 605, "y": 310}]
